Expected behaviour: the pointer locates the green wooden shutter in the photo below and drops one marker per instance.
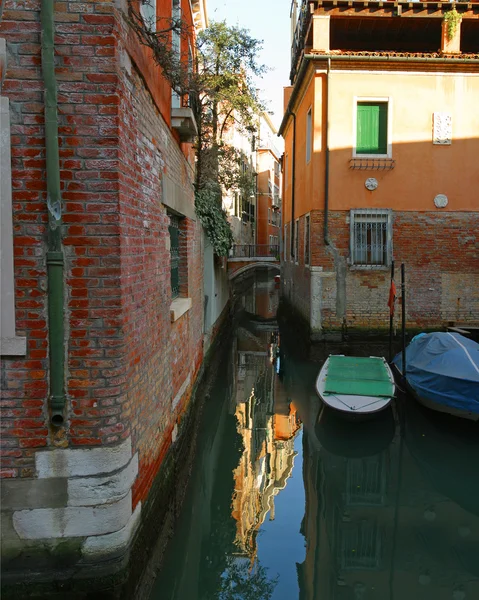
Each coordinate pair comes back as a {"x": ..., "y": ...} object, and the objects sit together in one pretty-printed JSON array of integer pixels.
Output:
[{"x": 372, "y": 124}]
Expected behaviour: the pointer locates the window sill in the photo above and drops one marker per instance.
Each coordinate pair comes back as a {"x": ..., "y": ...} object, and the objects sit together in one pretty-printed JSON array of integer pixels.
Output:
[
  {"x": 179, "y": 307},
  {"x": 13, "y": 346}
]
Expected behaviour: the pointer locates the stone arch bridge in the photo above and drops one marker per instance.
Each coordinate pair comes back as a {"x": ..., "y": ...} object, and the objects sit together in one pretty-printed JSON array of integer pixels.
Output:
[{"x": 246, "y": 257}]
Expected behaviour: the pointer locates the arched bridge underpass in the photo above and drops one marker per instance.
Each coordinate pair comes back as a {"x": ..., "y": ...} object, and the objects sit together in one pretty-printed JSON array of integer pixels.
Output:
[{"x": 246, "y": 257}]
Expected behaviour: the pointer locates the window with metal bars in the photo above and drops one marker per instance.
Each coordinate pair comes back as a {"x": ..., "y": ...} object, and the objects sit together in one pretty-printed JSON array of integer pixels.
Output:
[
  {"x": 174, "y": 230},
  {"x": 371, "y": 237}
]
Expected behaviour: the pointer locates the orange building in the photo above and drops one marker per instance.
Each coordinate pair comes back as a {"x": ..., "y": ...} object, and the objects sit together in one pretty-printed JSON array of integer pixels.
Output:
[
  {"x": 268, "y": 184},
  {"x": 381, "y": 163}
]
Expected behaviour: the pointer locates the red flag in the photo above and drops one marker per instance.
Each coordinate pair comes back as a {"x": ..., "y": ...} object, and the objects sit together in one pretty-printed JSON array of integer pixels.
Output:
[{"x": 392, "y": 297}]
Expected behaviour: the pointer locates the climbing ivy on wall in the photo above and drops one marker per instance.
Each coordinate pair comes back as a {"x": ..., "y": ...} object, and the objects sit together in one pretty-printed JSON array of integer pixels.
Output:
[{"x": 214, "y": 218}]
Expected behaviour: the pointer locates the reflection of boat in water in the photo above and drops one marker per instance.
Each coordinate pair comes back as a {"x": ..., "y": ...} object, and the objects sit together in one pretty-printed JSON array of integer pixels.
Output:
[
  {"x": 447, "y": 452},
  {"x": 356, "y": 386},
  {"x": 442, "y": 371},
  {"x": 343, "y": 438},
  {"x": 390, "y": 517}
]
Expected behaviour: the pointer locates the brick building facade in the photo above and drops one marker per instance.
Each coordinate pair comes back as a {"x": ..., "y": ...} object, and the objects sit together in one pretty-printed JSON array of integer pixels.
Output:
[
  {"x": 380, "y": 165},
  {"x": 73, "y": 494}
]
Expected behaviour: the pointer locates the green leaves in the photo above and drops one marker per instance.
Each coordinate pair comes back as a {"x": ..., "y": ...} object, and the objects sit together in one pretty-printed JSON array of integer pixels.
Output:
[{"x": 214, "y": 218}]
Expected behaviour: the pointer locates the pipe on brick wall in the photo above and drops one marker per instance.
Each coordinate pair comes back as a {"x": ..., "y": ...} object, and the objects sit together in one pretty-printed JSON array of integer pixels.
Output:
[{"x": 55, "y": 256}]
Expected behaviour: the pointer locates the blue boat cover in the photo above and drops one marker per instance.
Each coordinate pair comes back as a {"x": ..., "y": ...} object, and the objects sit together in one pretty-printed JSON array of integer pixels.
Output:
[{"x": 443, "y": 367}]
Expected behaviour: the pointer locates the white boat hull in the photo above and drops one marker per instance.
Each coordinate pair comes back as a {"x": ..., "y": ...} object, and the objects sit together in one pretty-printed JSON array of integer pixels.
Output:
[{"x": 352, "y": 406}]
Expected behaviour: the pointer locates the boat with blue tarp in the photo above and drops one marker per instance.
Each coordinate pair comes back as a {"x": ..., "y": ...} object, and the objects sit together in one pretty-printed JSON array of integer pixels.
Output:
[{"x": 442, "y": 372}]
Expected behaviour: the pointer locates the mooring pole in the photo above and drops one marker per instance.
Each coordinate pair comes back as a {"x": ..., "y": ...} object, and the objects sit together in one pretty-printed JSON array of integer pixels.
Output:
[
  {"x": 403, "y": 319},
  {"x": 391, "y": 315}
]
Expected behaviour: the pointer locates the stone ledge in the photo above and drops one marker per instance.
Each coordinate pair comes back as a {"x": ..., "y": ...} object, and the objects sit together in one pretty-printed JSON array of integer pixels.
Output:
[
  {"x": 179, "y": 307},
  {"x": 78, "y": 462},
  {"x": 41, "y": 523},
  {"x": 13, "y": 346},
  {"x": 97, "y": 491},
  {"x": 112, "y": 543}
]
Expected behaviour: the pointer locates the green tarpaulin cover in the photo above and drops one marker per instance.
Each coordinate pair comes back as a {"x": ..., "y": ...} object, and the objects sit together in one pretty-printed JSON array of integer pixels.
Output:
[{"x": 358, "y": 376}]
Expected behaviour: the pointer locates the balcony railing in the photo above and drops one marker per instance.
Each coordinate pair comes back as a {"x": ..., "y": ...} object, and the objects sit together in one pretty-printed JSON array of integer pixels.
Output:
[
  {"x": 255, "y": 251},
  {"x": 303, "y": 19}
]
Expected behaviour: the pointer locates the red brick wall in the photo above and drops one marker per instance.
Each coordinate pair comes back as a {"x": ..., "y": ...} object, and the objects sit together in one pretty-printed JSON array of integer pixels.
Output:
[
  {"x": 126, "y": 361},
  {"x": 441, "y": 256}
]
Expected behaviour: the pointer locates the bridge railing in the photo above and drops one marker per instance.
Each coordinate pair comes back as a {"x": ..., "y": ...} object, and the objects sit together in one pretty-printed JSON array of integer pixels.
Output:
[{"x": 255, "y": 251}]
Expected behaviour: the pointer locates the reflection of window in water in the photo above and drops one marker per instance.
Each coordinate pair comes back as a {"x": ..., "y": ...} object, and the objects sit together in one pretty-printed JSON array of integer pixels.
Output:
[
  {"x": 359, "y": 545},
  {"x": 366, "y": 481}
]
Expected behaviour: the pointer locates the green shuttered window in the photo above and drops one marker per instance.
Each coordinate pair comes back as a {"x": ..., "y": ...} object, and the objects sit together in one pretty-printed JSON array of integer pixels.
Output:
[{"x": 372, "y": 128}]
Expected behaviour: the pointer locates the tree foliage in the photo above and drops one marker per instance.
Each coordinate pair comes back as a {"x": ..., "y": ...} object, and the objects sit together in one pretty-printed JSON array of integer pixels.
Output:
[
  {"x": 221, "y": 94},
  {"x": 240, "y": 582}
]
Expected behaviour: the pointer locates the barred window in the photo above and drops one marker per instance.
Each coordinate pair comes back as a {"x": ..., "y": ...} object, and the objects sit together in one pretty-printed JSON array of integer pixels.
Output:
[
  {"x": 174, "y": 230},
  {"x": 371, "y": 237}
]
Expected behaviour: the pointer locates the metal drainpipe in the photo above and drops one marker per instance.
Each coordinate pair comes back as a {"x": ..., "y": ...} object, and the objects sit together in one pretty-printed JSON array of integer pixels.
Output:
[
  {"x": 293, "y": 175},
  {"x": 326, "y": 164},
  {"x": 55, "y": 256}
]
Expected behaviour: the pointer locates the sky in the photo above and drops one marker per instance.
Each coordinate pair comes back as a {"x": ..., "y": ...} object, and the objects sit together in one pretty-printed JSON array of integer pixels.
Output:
[{"x": 267, "y": 20}]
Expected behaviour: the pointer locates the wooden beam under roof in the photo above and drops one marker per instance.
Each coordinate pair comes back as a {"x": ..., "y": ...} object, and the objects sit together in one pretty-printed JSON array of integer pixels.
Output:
[{"x": 365, "y": 8}]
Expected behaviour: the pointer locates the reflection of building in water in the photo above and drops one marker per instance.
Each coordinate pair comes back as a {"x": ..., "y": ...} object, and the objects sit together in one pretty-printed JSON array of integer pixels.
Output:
[
  {"x": 262, "y": 297},
  {"x": 376, "y": 526},
  {"x": 267, "y": 423}
]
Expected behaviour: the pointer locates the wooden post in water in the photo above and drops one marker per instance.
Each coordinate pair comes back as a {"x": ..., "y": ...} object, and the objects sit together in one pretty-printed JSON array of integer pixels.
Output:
[
  {"x": 403, "y": 319},
  {"x": 391, "y": 312}
]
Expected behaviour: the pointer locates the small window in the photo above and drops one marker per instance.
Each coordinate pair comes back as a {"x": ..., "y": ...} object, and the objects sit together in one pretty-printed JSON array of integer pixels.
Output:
[
  {"x": 296, "y": 241},
  {"x": 148, "y": 12},
  {"x": 285, "y": 243},
  {"x": 269, "y": 215},
  {"x": 174, "y": 230},
  {"x": 371, "y": 237},
  {"x": 372, "y": 128},
  {"x": 306, "y": 240},
  {"x": 309, "y": 131},
  {"x": 176, "y": 24}
]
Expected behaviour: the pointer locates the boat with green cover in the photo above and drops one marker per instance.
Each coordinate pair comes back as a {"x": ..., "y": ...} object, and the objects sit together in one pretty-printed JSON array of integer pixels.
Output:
[{"x": 356, "y": 386}]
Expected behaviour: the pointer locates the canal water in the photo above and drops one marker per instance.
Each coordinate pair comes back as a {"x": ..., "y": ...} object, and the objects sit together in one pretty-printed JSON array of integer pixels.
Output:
[{"x": 287, "y": 502}]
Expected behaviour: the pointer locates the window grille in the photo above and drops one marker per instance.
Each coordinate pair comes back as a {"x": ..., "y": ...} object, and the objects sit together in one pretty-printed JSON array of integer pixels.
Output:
[
  {"x": 306, "y": 241},
  {"x": 371, "y": 237},
  {"x": 366, "y": 481},
  {"x": 174, "y": 230},
  {"x": 360, "y": 546}
]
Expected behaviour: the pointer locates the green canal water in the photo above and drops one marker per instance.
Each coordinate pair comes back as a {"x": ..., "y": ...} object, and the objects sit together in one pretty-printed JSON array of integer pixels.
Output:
[{"x": 287, "y": 502}]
